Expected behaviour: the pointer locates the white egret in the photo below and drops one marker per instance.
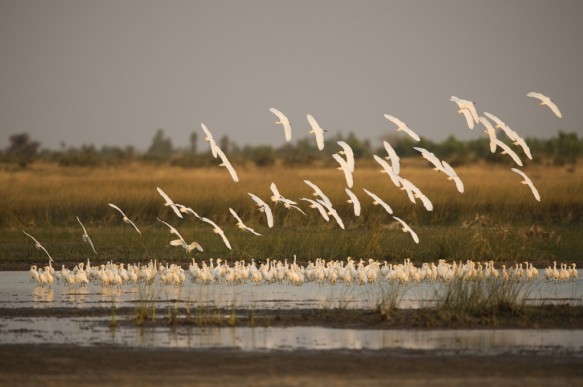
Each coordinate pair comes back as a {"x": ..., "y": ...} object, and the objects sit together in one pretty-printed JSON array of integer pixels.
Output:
[
  {"x": 348, "y": 153},
  {"x": 388, "y": 170},
  {"x": 544, "y": 100},
  {"x": 263, "y": 207},
  {"x": 413, "y": 192},
  {"x": 401, "y": 126},
  {"x": 354, "y": 201},
  {"x": 452, "y": 175},
  {"x": 316, "y": 131},
  {"x": 209, "y": 138},
  {"x": 344, "y": 167},
  {"x": 227, "y": 164},
  {"x": 490, "y": 131},
  {"x": 468, "y": 109},
  {"x": 125, "y": 218},
  {"x": 408, "y": 229},
  {"x": 85, "y": 236},
  {"x": 430, "y": 156},
  {"x": 169, "y": 202},
  {"x": 377, "y": 201},
  {"x": 218, "y": 230},
  {"x": 39, "y": 246},
  {"x": 506, "y": 150},
  {"x": 240, "y": 223},
  {"x": 499, "y": 124},
  {"x": 528, "y": 182},
  {"x": 187, "y": 210},
  {"x": 318, "y": 192},
  {"x": 392, "y": 155},
  {"x": 334, "y": 213},
  {"x": 278, "y": 198},
  {"x": 318, "y": 206},
  {"x": 180, "y": 241},
  {"x": 284, "y": 122},
  {"x": 525, "y": 148}
]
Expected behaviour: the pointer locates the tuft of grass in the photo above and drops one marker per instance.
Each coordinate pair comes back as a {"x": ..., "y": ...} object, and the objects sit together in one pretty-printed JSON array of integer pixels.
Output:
[{"x": 146, "y": 303}]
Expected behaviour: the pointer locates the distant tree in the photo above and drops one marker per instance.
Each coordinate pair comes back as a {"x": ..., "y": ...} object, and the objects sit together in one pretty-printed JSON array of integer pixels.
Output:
[
  {"x": 161, "y": 145},
  {"x": 193, "y": 142},
  {"x": 225, "y": 143},
  {"x": 22, "y": 149},
  {"x": 262, "y": 155}
]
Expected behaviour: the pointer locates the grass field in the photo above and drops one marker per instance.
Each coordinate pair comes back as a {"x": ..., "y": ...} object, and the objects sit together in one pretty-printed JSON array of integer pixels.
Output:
[{"x": 495, "y": 218}]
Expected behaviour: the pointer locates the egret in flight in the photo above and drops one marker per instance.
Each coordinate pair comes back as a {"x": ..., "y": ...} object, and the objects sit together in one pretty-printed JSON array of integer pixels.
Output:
[
  {"x": 499, "y": 124},
  {"x": 169, "y": 202},
  {"x": 401, "y": 126},
  {"x": 392, "y": 156},
  {"x": 544, "y": 100},
  {"x": 408, "y": 229},
  {"x": 468, "y": 109},
  {"x": 85, "y": 236},
  {"x": 209, "y": 138},
  {"x": 316, "y": 131},
  {"x": 354, "y": 201},
  {"x": 218, "y": 230},
  {"x": 348, "y": 153},
  {"x": 240, "y": 223},
  {"x": 227, "y": 164},
  {"x": 377, "y": 201},
  {"x": 39, "y": 246},
  {"x": 180, "y": 241},
  {"x": 125, "y": 218},
  {"x": 506, "y": 150},
  {"x": 344, "y": 167},
  {"x": 263, "y": 207},
  {"x": 284, "y": 122},
  {"x": 528, "y": 182}
]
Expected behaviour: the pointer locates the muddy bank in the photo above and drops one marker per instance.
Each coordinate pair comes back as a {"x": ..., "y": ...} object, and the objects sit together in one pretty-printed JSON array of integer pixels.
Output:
[
  {"x": 543, "y": 317},
  {"x": 65, "y": 365}
]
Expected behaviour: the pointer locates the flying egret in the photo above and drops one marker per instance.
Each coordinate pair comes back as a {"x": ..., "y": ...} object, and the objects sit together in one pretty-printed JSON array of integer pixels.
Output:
[
  {"x": 354, "y": 201},
  {"x": 452, "y": 175},
  {"x": 169, "y": 202},
  {"x": 401, "y": 126},
  {"x": 218, "y": 230},
  {"x": 392, "y": 155},
  {"x": 388, "y": 170},
  {"x": 278, "y": 198},
  {"x": 209, "y": 138},
  {"x": 408, "y": 229},
  {"x": 490, "y": 131},
  {"x": 544, "y": 100},
  {"x": 39, "y": 246},
  {"x": 125, "y": 218},
  {"x": 430, "y": 156},
  {"x": 348, "y": 153},
  {"x": 240, "y": 223},
  {"x": 377, "y": 201},
  {"x": 180, "y": 241},
  {"x": 316, "y": 131},
  {"x": 528, "y": 182},
  {"x": 282, "y": 121},
  {"x": 413, "y": 192},
  {"x": 318, "y": 192},
  {"x": 525, "y": 148},
  {"x": 318, "y": 206},
  {"x": 334, "y": 213},
  {"x": 226, "y": 163},
  {"x": 187, "y": 210},
  {"x": 468, "y": 109},
  {"x": 499, "y": 124},
  {"x": 263, "y": 207},
  {"x": 506, "y": 150},
  {"x": 85, "y": 236},
  {"x": 344, "y": 167}
]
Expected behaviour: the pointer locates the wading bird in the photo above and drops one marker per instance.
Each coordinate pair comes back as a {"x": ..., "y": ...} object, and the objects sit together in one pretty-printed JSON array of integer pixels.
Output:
[
  {"x": 125, "y": 218},
  {"x": 85, "y": 236},
  {"x": 544, "y": 100},
  {"x": 528, "y": 182},
  {"x": 282, "y": 121},
  {"x": 401, "y": 126}
]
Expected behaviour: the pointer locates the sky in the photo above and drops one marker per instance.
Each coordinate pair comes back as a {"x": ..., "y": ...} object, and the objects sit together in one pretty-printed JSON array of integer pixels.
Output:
[{"x": 114, "y": 72}]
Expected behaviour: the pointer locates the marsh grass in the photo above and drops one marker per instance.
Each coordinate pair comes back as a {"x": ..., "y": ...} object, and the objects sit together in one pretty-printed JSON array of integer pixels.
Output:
[
  {"x": 387, "y": 298},
  {"x": 145, "y": 309}
]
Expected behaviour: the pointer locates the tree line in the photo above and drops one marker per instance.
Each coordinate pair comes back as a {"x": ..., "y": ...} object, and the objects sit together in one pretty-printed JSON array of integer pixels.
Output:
[{"x": 561, "y": 149}]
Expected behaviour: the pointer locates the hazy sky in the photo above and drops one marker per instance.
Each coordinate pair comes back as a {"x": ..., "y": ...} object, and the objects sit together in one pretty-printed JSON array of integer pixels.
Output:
[{"x": 113, "y": 72}]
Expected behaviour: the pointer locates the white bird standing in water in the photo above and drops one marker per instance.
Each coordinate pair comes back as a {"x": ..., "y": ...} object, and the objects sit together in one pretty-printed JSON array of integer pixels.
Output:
[
  {"x": 377, "y": 201},
  {"x": 209, "y": 138},
  {"x": 528, "y": 182},
  {"x": 468, "y": 109},
  {"x": 169, "y": 202},
  {"x": 180, "y": 241},
  {"x": 218, "y": 230},
  {"x": 354, "y": 201},
  {"x": 227, "y": 164},
  {"x": 125, "y": 218},
  {"x": 263, "y": 207},
  {"x": 85, "y": 236},
  {"x": 284, "y": 122},
  {"x": 240, "y": 223},
  {"x": 408, "y": 229},
  {"x": 316, "y": 131},
  {"x": 544, "y": 100},
  {"x": 401, "y": 126},
  {"x": 38, "y": 245}
]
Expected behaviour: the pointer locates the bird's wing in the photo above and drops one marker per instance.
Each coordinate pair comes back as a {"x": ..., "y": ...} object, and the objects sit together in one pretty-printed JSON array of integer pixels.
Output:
[
  {"x": 345, "y": 168},
  {"x": 379, "y": 201},
  {"x": 395, "y": 165},
  {"x": 275, "y": 191},
  {"x": 207, "y": 220},
  {"x": 31, "y": 237},
  {"x": 91, "y": 243},
  {"x": 136, "y": 227},
  {"x": 539, "y": 96},
  {"x": 411, "y": 133},
  {"x": 313, "y": 123},
  {"x": 528, "y": 182},
  {"x": 37, "y": 244},
  {"x": 235, "y": 215},
  {"x": 408, "y": 229},
  {"x": 348, "y": 153},
  {"x": 225, "y": 240},
  {"x": 520, "y": 142},
  {"x": 425, "y": 200},
  {"x": 491, "y": 132},
  {"x": 83, "y": 227},
  {"x": 117, "y": 208},
  {"x": 468, "y": 116},
  {"x": 172, "y": 229},
  {"x": 169, "y": 202},
  {"x": 319, "y": 139},
  {"x": 319, "y": 192},
  {"x": 395, "y": 120},
  {"x": 334, "y": 213},
  {"x": 209, "y": 138},
  {"x": 354, "y": 200},
  {"x": 555, "y": 109},
  {"x": 284, "y": 121},
  {"x": 225, "y": 163}
]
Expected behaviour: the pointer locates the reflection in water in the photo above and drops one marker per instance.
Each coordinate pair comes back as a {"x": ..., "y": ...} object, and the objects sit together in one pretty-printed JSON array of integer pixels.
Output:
[{"x": 43, "y": 294}]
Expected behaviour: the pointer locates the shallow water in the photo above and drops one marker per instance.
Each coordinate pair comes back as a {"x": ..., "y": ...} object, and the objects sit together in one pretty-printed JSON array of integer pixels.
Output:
[
  {"x": 95, "y": 332},
  {"x": 17, "y": 291}
]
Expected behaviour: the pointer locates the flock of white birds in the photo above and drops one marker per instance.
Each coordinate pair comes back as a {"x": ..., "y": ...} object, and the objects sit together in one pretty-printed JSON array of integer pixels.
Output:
[{"x": 390, "y": 166}]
